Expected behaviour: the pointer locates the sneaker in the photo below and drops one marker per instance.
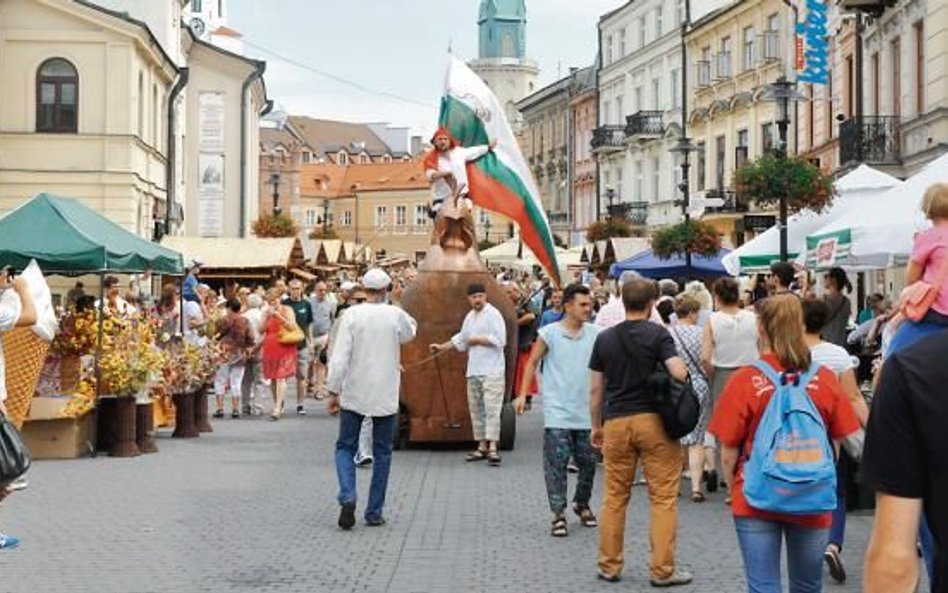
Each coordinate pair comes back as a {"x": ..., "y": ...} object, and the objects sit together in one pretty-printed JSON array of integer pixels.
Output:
[
  {"x": 835, "y": 564},
  {"x": 571, "y": 467},
  {"x": 219, "y": 414},
  {"x": 364, "y": 462},
  {"x": 300, "y": 411},
  {"x": 8, "y": 542},
  {"x": 235, "y": 414},
  {"x": 679, "y": 577},
  {"x": 20, "y": 483},
  {"x": 376, "y": 522},
  {"x": 609, "y": 578},
  {"x": 347, "y": 517}
]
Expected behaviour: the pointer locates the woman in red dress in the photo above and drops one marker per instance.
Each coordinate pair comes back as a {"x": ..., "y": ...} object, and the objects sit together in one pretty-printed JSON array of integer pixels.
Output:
[{"x": 279, "y": 360}]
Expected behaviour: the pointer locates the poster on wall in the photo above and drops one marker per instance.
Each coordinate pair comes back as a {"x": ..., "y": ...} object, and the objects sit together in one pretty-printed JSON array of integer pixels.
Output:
[
  {"x": 211, "y": 122},
  {"x": 210, "y": 195},
  {"x": 811, "y": 48}
]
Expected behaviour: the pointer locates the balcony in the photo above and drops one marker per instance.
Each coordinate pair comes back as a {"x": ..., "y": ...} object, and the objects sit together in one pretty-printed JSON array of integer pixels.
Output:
[
  {"x": 608, "y": 139},
  {"x": 636, "y": 213},
  {"x": 872, "y": 7},
  {"x": 644, "y": 124},
  {"x": 731, "y": 204},
  {"x": 871, "y": 139}
]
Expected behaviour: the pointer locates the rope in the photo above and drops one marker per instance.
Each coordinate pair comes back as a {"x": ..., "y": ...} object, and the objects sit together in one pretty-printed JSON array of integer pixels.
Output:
[{"x": 426, "y": 360}]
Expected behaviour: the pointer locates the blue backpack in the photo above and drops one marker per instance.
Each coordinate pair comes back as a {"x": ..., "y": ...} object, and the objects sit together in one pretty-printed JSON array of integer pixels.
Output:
[{"x": 791, "y": 468}]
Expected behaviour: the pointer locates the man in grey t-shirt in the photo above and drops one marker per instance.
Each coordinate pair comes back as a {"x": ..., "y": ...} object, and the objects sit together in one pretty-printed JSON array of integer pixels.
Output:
[{"x": 324, "y": 312}]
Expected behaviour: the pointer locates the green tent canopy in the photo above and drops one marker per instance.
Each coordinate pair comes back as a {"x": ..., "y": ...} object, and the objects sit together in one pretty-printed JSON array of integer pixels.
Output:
[{"x": 66, "y": 237}]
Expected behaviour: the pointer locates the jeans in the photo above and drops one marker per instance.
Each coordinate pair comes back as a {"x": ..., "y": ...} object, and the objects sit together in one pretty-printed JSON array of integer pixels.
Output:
[
  {"x": 559, "y": 444},
  {"x": 927, "y": 541},
  {"x": 837, "y": 531},
  {"x": 350, "y": 423},
  {"x": 626, "y": 440},
  {"x": 365, "y": 440},
  {"x": 760, "y": 543}
]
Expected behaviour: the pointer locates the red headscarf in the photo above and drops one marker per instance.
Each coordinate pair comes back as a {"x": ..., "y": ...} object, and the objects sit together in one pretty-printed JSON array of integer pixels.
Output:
[{"x": 430, "y": 159}]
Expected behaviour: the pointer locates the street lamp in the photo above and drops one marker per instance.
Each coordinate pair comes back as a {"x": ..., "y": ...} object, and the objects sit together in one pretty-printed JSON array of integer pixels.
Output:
[
  {"x": 487, "y": 229},
  {"x": 611, "y": 198},
  {"x": 684, "y": 147},
  {"x": 275, "y": 182},
  {"x": 782, "y": 93},
  {"x": 325, "y": 216}
]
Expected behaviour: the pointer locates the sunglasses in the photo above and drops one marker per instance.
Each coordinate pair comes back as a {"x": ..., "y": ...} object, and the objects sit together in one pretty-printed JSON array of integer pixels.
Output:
[{"x": 360, "y": 300}]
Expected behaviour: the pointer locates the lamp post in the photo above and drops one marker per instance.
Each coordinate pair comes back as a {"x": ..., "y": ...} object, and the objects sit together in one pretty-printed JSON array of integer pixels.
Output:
[
  {"x": 611, "y": 198},
  {"x": 275, "y": 182},
  {"x": 684, "y": 148},
  {"x": 487, "y": 229},
  {"x": 325, "y": 217},
  {"x": 781, "y": 93}
]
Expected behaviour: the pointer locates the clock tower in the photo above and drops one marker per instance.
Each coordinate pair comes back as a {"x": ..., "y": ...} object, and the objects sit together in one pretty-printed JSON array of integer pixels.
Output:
[{"x": 502, "y": 61}]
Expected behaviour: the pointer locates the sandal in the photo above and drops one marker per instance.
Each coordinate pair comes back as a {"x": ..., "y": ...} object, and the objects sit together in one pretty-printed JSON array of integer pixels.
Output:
[
  {"x": 697, "y": 497},
  {"x": 478, "y": 455},
  {"x": 493, "y": 458},
  {"x": 586, "y": 516},
  {"x": 559, "y": 527}
]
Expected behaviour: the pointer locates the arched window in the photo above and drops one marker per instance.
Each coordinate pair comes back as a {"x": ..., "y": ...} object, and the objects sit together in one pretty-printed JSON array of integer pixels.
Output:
[{"x": 57, "y": 97}]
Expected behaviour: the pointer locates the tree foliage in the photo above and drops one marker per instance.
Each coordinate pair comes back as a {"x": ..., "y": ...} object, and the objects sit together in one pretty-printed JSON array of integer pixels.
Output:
[
  {"x": 696, "y": 237},
  {"x": 275, "y": 226},
  {"x": 320, "y": 233},
  {"x": 608, "y": 229},
  {"x": 768, "y": 178}
]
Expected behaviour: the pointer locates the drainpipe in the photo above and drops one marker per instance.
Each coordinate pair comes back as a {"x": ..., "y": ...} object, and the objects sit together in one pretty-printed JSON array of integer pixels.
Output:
[
  {"x": 598, "y": 124},
  {"x": 258, "y": 71},
  {"x": 170, "y": 191}
]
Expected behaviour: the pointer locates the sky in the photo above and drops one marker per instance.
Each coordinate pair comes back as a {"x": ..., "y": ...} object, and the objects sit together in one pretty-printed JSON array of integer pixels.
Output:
[{"x": 394, "y": 47}]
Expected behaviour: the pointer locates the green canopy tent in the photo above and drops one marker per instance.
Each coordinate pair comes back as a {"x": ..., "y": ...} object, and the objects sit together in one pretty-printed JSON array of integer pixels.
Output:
[{"x": 65, "y": 237}]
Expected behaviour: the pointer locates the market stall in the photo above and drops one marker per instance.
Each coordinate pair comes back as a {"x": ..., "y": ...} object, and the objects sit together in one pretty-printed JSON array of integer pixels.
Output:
[
  {"x": 855, "y": 188},
  {"x": 67, "y": 238},
  {"x": 651, "y": 266},
  {"x": 246, "y": 261}
]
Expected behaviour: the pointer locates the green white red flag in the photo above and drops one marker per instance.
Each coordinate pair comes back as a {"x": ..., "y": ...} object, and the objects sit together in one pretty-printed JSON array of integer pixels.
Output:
[{"x": 500, "y": 181}]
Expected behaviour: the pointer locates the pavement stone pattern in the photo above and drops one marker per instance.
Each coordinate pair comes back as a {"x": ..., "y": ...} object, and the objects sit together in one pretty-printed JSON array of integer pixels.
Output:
[{"x": 251, "y": 507}]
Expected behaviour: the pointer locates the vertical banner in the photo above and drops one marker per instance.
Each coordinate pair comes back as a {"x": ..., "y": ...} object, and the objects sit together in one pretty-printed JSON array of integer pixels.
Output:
[
  {"x": 814, "y": 67},
  {"x": 210, "y": 195},
  {"x": 210, "y": 214}
]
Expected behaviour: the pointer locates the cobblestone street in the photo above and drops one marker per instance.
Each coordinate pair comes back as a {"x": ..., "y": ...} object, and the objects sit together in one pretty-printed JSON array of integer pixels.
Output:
[{"x": 251, "y": 508}]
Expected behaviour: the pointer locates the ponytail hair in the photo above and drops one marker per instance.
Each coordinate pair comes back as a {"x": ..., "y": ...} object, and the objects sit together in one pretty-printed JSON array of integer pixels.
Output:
[
  {"x": 840, "y": 279},
  {"x": 781, "y": 318}
]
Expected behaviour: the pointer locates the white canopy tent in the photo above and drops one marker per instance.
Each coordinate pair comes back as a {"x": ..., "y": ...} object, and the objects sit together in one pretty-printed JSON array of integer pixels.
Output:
[
  {"x": 881, "y": 230},
  {"x": 855, "y": 188}
]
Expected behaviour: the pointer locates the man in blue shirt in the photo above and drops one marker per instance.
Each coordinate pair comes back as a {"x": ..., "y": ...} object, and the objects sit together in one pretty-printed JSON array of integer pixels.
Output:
[
  {"x": 555, "y": 312},
  {"x": 565, "y": 347},
  {"x": 191, "y": 282}
]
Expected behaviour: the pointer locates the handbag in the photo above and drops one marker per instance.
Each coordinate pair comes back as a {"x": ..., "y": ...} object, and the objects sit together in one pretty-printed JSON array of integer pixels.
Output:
[
  {"x": 14, "y": 457},
  {"x": 918, "y": 298},
  {"x": 676, "y": 401},
  {"x": 291, "y": 336}
]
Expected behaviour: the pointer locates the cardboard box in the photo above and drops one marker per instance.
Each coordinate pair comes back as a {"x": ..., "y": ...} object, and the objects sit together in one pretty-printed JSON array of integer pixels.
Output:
[{"x": 48, "y": 435}]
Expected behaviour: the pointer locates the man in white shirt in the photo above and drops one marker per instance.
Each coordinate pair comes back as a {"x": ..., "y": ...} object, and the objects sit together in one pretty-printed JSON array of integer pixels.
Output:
[
  {"x": 483, "y": 336},
  {"x": 364, "y": 379},
  {"x": 446, "y": 169},
  {"x": 194, "y": 318},
  {"x": 114, "y": 303}
]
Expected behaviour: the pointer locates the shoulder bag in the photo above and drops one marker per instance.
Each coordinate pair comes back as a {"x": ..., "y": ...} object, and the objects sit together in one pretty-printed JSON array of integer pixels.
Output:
[
  {"x": 676, "y": 401},
  {"x": 14, "y": 457}
]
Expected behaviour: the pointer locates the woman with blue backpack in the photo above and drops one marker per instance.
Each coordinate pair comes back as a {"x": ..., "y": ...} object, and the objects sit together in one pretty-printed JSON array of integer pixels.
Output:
[{"x": 779, "y": 422}]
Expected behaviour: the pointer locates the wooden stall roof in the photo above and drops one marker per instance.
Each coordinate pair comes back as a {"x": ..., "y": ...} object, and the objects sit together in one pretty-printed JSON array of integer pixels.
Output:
[{"x": 239, "y": 254}]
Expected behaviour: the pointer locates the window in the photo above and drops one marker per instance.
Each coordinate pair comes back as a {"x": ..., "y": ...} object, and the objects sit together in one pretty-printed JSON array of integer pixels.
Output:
[
  {"x": 749, "y": 57},
  {"x": 828, "y": 112},
  {"x": 638, "y": 99},
  {"x": 656, "y": 93},
  {"x": 622, "y": 42},
  {"x": 381, "y": 212},
  {"x": 766, "y": 137},
  {"x": 704, "y": 67},
  {"x": 342, "y": 158},
  {"x": 919, "y": 67},
  {"x": 401, "y": 215},
  {"x": 642, "y": 31},
  {"x": 772, "y": 38},
  {"x": 639, "y": 189},
  {"x": 659, "y": 21},
  {"x": 849, "y": 86},
  {"x": 700, "y": 166},
  {"x": 57, "y": 96},
  {"x": 811, "y": 116},
  {"x": 156, "y": 114},
  {"x": 195, "y": 5},
  {"x": 679, "y": 12},
  {"x": 656, "y": 179},
  {"x": 386, "y": 158},
  {"x": 421, "y": 215},
  {"x": 606, "y": 113},
  {"x": 675, "y": 89},
  {"x": 483, "y": 217},
  {"x": 896, "y": 76},
  {"x": 310, "y": 218},
  {"x": 724, "y": 58},
  {"x": 305, "y": 156},
  {"x": 876, "y": 82},
  {"x": 347, "y": 218},
  {"x": 720, "y": 146},
  {"x": 141, "y": 105},
  {"x": 619, "y": 108},
  {"x": 740, "y": 151},
  {"x": 609, "y": 56}
]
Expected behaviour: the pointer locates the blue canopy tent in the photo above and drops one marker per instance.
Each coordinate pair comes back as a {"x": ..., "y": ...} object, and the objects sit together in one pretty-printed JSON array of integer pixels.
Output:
[{"x": 651, "y": 266}]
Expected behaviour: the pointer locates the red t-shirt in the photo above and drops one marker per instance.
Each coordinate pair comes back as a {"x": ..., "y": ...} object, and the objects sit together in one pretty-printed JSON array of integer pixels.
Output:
[{"x": 738, "y": 413}]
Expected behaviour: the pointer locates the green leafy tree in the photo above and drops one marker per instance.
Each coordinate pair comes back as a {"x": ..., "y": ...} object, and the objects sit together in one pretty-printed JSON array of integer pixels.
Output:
[
  {"x": 275, "y": 226},
  {"x": 768, "y": 178},
  {"x": 607, "y": 229},
  {"x": 320, "y": 233},
  {"x": 694, "y": 236}
]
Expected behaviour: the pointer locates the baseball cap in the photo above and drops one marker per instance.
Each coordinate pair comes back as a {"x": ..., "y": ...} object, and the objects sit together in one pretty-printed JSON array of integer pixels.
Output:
[{"x": 376, "y": 279}]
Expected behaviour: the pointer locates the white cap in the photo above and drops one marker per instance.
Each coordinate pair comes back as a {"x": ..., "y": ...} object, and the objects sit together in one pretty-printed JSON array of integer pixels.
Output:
[
  {"x": 197, "y": 262},
  {"x": 376, "y": 279},
  {"x": 348, "y": 286}
]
